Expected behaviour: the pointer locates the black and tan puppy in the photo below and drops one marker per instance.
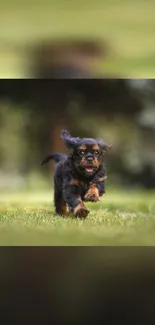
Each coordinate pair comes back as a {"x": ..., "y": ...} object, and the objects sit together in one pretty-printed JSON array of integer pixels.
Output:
[{"x": 80, "y": 175}]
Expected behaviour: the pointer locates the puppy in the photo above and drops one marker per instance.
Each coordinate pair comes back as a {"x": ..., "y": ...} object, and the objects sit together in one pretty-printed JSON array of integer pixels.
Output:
[{"x": 80, "y": 175}]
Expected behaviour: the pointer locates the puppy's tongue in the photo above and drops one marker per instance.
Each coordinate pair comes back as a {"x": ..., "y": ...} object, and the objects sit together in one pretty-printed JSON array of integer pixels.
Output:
[{"x": 89, "y": 169}]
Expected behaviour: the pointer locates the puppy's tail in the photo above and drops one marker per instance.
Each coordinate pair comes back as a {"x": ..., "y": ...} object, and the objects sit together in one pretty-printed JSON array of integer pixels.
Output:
[{"x": 55, "y": 156}]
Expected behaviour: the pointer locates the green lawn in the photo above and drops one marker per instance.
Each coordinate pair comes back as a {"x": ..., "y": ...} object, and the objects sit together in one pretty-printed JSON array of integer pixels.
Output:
[{"x": 121, "y": 218}]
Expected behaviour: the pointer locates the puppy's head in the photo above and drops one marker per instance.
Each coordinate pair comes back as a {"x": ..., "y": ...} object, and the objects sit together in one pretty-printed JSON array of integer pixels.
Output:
[{"x": 87, "y": 153}]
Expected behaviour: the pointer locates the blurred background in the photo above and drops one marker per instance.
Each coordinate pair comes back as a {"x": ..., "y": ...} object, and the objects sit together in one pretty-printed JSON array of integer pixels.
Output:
[
  {"x": 52, "y": 40},
  {"x": 34, "y": 36},
  {"x": 33, "y": 113},
  {"x": 86, "y": 284}
]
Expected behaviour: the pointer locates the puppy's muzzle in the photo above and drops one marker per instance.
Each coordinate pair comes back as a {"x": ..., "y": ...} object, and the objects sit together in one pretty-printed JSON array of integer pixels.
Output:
[{"x": 89, "y": 158}]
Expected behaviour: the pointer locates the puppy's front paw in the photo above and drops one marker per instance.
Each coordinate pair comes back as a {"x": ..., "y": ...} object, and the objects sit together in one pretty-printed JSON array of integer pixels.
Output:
[
  {"x": 92, "y": 194},
  {"x": 80, "y": 211},
  {"x": 91, "y": 198}
]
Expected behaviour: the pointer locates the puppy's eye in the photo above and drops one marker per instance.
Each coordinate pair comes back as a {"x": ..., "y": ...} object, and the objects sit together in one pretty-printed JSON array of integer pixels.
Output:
[
  {"x": 96, "y": 152},
  {"x": 81, "y": 152}
]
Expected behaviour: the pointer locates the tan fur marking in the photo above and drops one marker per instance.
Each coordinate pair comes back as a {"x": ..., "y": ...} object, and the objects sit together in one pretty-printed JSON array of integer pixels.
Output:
[
  {"x": 80, "y": 211},
  {"x": 83, "y": 147},
  {"x": 93, "y": 190},
  {"x": 96, "y": 162},
  {"x": 83, "y": 161},
  {"x": 92, "y": 194},
  {"x": 78, "y": 207},
  {"x": 101, "y": 179},
  {"x": 63, "y": 210},
  {"x": 95, "y": 147},
  {"x": 75, "y": 182}
]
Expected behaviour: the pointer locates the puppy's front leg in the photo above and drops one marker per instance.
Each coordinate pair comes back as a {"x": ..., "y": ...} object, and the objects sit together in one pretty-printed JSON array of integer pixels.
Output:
[
  {"x": 92, "y": 194},
  {"x": 101, "y": 188},
  {"x": 96, "y": 189},
  {"x": 72, "y": 196}
]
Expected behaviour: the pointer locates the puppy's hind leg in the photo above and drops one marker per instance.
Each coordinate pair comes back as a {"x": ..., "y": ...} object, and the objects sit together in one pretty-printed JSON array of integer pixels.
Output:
[{"x": 60, "y": 204}]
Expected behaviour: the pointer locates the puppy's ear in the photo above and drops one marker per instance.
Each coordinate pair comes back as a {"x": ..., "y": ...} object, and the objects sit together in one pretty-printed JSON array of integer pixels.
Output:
[
  {"x": 69, "y": 140},
  {"x": 105, "y": 147}
]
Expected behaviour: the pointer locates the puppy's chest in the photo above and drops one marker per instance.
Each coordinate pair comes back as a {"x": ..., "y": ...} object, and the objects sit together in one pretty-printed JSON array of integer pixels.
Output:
[{"x": 84, "y": 186}]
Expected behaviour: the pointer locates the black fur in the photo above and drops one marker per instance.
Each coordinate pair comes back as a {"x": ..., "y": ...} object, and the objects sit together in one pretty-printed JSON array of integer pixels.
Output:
[
  {"x": 55, "y": 156},
  {"x": 76, "y": 179}
]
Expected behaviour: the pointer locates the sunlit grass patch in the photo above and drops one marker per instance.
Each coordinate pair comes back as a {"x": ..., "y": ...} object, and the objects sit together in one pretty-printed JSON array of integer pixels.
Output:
[{"x": 120, "y": 218}]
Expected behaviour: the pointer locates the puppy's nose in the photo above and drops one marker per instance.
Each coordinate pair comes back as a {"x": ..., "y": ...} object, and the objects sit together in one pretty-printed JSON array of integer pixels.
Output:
[{"x": 89, "y": 158}]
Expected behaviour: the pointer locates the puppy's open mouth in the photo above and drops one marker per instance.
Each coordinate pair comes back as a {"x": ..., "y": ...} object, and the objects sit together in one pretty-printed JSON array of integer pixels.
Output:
[{"x": 89, "y": 169}]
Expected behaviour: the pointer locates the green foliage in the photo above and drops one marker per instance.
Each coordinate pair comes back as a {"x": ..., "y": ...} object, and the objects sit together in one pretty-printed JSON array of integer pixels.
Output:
[{"x": 128, "y": 26}]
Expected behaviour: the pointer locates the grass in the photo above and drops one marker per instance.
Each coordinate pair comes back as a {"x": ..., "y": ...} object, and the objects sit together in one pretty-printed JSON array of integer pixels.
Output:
[{"x": 121, "y": 218}]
